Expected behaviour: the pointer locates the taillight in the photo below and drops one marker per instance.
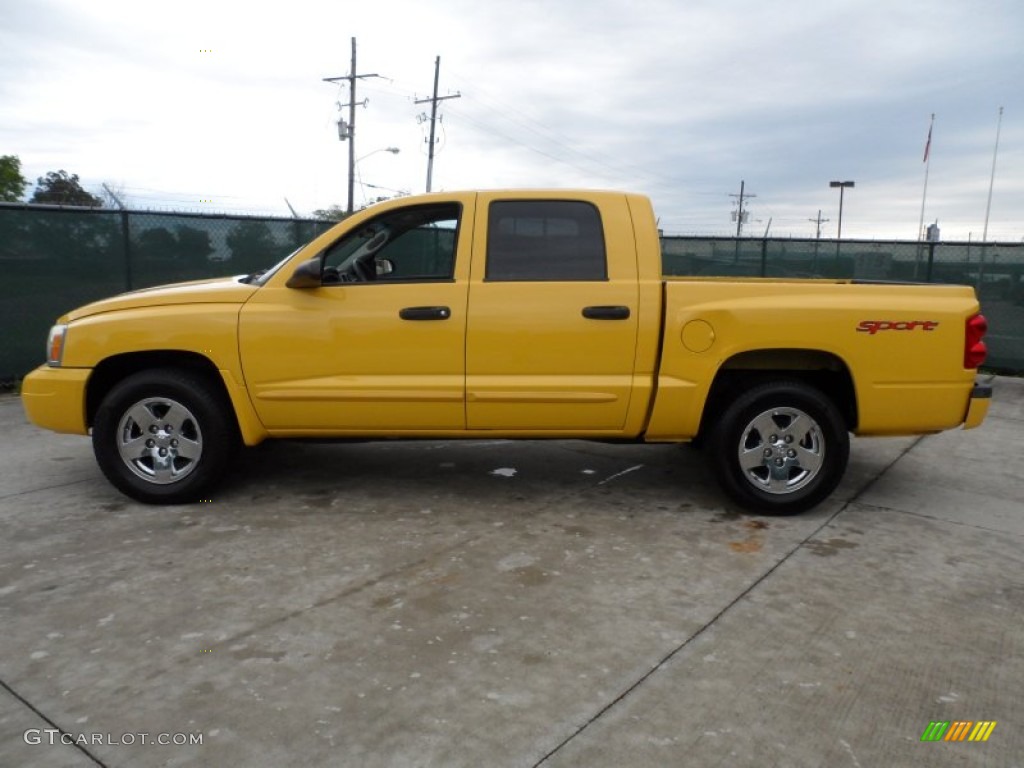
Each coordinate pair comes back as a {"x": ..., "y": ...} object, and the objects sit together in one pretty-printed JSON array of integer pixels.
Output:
[{"x": 975, "y": 350}]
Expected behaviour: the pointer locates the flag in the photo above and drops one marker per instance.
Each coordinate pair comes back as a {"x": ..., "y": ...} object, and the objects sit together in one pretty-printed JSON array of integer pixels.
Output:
[{"x": 928, "y": 145}]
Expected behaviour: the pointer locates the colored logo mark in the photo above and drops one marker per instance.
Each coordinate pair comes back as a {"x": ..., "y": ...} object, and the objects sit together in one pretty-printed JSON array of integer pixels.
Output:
[{"x": 958, "y": 730}]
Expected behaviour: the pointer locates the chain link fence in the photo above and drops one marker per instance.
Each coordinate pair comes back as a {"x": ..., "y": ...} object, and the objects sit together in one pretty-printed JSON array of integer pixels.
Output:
[{"x": 55, "y": 259}]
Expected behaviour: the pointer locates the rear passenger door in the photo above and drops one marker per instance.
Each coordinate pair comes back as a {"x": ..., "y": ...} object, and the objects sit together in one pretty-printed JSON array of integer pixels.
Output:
[{"x": 552, "y": 319}]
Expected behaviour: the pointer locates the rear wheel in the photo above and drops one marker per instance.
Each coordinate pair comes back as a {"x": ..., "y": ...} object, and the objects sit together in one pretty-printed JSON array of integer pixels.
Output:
[
  {"x": 164, "y": 436},
  {"x": 780, "y": 448}
]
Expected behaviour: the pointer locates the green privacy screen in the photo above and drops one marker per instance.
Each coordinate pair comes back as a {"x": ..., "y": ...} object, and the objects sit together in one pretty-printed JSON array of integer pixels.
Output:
[{"x": 55, "y": 259}]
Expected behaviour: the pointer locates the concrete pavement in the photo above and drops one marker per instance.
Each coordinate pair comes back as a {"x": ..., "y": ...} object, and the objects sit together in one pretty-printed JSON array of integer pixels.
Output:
[{"x": 512, "y": 604}]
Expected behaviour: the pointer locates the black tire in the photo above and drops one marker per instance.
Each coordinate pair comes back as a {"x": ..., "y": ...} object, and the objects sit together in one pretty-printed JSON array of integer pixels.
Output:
[
  {"x": 164, "y": 436},
  {"x": 793, "y": 467}
]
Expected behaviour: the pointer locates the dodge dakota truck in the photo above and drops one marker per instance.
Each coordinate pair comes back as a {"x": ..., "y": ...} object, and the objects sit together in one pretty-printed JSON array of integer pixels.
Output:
[{"x": 512, "y": 314}]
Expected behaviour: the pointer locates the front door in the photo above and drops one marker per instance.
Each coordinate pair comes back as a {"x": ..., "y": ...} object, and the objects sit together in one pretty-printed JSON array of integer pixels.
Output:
[{"x": 380, "y": 345}]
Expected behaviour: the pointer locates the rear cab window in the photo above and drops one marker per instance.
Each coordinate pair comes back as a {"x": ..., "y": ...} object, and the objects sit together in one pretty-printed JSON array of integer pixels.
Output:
[{"x": 545, "y": 241}]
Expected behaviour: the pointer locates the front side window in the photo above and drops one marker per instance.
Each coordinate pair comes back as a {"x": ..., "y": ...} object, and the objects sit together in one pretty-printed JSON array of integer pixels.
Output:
[
  {"x": 405, "y": 245},
  {"x": 545, "y": 240}
]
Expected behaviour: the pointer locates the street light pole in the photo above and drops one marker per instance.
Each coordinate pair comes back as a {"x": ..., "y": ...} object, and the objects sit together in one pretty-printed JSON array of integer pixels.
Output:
[
  {"x": 842, "y": 185},
  {"x": 392, "y": 150},
  {"x": 355, "y": 164}
]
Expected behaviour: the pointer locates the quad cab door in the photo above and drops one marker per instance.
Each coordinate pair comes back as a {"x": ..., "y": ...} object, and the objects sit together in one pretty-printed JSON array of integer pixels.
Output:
[
  {"x": 377, "y": 344},
  {"x": 553, "y": 314}
]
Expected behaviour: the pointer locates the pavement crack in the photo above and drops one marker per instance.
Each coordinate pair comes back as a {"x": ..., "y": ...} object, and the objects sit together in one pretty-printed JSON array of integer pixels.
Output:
[
  {"x": 937, "y": 519},
  {"x": 672, "y": 654},
  {"x": 348, "y": 592},
  {"x": 394, "y": 572},
  {"x": 45, "y": 488},
  {"x": 72, "y": 742},
  {"x": 380, "y": 578}
]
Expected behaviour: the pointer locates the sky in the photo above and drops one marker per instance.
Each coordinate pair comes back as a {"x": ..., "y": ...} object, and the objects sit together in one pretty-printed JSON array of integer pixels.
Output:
[{"x": 222, "y": 106}]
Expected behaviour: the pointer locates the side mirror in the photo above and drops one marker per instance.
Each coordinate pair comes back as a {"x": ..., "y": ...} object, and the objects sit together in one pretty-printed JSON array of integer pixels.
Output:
[
  {"x": 384, "y": 266},
  {"x": 307, "y": 275}
]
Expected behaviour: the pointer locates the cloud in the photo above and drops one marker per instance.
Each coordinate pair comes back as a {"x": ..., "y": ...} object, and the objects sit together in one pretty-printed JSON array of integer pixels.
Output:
[{"x": 680, "y": 100}]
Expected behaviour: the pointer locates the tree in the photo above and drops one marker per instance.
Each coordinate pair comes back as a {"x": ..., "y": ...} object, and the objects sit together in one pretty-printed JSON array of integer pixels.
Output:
[
  {"x": 333, "y": 213},
  {"x": 157, "y": 243},
  {"x": 252, "y": 242},
  {"x": 185, "y": 246},
  {"x": 62, "y": 188},
  {"x": 194, "y": 244},
  {"x": 12, "y": 183}
]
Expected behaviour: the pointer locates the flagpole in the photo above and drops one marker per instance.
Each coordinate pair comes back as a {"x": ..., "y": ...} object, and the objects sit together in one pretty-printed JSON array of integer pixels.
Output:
[
  {"x": 992, "y": 180},
  {"x": 988, "y": 205},
  {"x": 927, "y": 168},
  {"x": 924, "y": 195}
]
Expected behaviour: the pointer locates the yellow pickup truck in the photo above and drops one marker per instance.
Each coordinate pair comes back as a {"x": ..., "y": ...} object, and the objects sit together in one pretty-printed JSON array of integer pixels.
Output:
[{"x": 513, "y": 314}]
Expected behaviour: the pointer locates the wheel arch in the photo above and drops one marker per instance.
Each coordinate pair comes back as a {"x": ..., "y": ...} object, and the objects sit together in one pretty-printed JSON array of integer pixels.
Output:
[
  {"x": 112, "y": 370},
  {"x": 823, "y": 370}
]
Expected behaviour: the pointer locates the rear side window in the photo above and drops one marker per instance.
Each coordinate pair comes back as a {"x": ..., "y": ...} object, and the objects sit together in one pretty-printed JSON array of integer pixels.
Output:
[{"x": 544, "y": 240}]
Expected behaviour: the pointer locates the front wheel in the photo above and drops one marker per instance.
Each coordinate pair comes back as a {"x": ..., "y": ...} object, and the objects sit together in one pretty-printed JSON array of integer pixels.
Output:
[
  {"x": 780, "y": 448},
  {"x": 164, "y": 436}
]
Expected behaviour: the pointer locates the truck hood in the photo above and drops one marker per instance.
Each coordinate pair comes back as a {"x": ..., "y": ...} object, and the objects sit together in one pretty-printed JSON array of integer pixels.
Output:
[{"x": 221, "y": 290}]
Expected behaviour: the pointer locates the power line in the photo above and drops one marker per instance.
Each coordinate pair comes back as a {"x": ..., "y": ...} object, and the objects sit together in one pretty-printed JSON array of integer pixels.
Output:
[
  {"x": 493, "y": 130},
  {"x": 562, "y": 149},
  {"x": 548, "y": 135},
  {"x": 510, "y": 113}
]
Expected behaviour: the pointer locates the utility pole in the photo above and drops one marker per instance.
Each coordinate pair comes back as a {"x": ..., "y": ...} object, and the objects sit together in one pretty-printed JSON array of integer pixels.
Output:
[
  {"x": 741, "y": 214},
  {"x": 820, "y": 221},
  {"x": 433, "y": 119},
  {"x": 349, "y": 132},
  {"x": 817, "y": 237}
]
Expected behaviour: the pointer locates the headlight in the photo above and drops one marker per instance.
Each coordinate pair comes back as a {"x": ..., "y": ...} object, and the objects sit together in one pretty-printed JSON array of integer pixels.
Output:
[{"x": 55, "y": 345}]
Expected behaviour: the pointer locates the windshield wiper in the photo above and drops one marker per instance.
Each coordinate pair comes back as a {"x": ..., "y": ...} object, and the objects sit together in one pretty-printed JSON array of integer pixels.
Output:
[{"x": 254, "y": 276}]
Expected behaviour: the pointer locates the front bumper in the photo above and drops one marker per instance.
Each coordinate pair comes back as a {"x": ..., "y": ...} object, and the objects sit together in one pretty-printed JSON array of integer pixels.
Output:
[
  {"x": 977, "y": 407},
  {"x": 54, "y": 398}
]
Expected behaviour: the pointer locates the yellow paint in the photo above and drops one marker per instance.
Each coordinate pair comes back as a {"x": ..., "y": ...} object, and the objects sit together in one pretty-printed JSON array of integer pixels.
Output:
[
  {"x": 976, "y": 412},
  {"x": 698, "y": 336},
  {"x": 54, "y": 398},
  {"x": 906, "y": 382},
  {"x": 983, "y": 730}
]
